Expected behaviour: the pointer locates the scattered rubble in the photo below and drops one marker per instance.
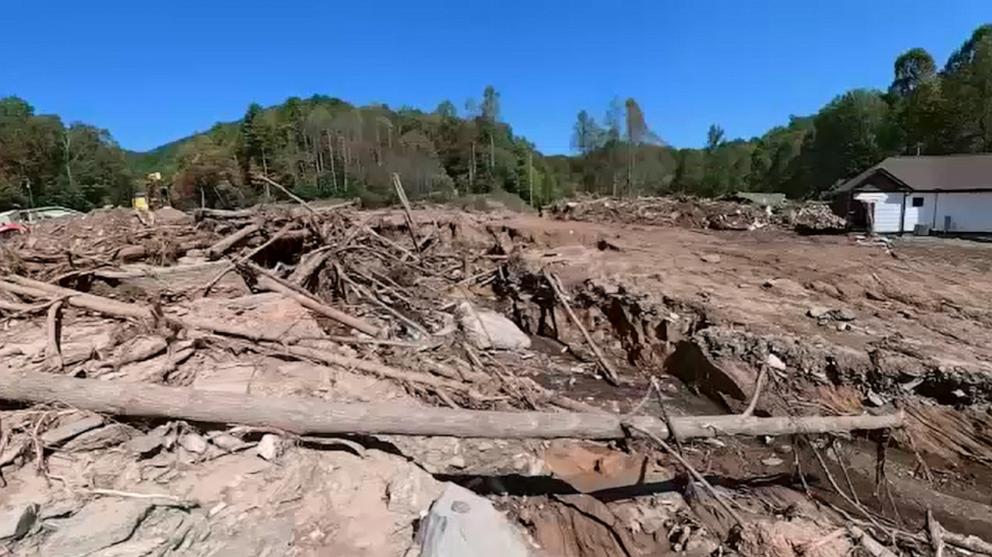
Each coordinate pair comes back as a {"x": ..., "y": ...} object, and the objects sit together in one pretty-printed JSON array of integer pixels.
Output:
[
  {"x": 277, "y": 380},
  {"x": 717, "y": 214},
  {"x": 818, "y": 218}
]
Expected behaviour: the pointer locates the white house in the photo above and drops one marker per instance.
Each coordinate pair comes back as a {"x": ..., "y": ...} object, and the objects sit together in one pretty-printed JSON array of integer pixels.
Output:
[{"x": 946, "y": 194}]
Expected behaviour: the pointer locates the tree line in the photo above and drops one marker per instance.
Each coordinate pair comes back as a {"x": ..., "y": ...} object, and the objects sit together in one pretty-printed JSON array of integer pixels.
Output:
[
  {"x": 325, "y": 147},
  {"x": 927, "y": 110},
  {"x": 43, "y": 161}
]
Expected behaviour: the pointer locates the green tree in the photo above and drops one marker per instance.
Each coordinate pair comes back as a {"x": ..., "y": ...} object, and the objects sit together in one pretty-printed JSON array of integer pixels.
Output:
[
  {"x": 614, "y": 119},
  {"x": 967, "y": 95},
  {"x": 446, "y": 109},
  {"x": 912, "y": 68},
  {"x": 587, "y": 136},
  {"x": 637, "y": 133},
  {"x": 851, "y": 133},
  {"x": 490, "y": 107},
  {"x": 714, "y": 137}
]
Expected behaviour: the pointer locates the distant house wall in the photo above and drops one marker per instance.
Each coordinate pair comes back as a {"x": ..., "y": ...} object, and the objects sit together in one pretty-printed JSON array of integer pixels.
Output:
[
  {"x": 919, "y": 210},
  {"x": 950, "y": 212},
  {"x": 969, "y": 212}
]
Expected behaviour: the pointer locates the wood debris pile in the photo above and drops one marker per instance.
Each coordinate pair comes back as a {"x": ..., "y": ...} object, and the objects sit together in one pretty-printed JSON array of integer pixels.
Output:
[
  {"x": 698, "y": 213},
  {"x": 236, "y": 382}
]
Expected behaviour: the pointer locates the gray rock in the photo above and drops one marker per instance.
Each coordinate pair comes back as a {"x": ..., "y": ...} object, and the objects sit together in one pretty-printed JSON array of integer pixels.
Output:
[
  {"x": 106, "y": 436},
  {"x": 98, "y": 525},
  {"x": 818, "y": 312},
  {"x": 57, "y": 436},
  {"x": 487, "y": 329},
  {"x": 145, "y": 444},
  {"x": 17, "y": 521},
  {"x": 193, "y": 443},
  {"x": 462, "y": 523},
  {"x": 270, "y": 447},
  {"x": 843, "y": 314},
  {"x": 775, "y": 362}
]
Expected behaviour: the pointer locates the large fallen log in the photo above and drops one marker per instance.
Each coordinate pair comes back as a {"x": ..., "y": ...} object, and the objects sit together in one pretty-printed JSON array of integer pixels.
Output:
[
  {"x": 221, "y": 246},
  {"x": 272, "y": 282},
  {"x": 23, "y": 286},
  {"x": 375, "y": 368},
  {"x": 134, "y": 253},
  {"x": 316, "y": 416}
]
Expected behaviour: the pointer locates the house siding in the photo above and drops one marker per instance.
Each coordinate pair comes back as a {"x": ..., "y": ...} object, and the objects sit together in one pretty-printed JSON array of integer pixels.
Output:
[
  {"x": 923, "y": 214},
  {"x": 887, "y": 217},
  {"x": 969, "y": 212}
]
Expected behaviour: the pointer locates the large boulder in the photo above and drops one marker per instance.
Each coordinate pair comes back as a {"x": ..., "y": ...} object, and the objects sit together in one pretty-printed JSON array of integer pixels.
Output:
[
  {"x": 461, "y": 523},
  {"x": 487, "y": 329}
]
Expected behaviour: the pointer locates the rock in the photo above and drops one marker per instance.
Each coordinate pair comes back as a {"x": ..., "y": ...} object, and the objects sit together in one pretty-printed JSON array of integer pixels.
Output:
[
  {"x": 106, "y": 436},
  {"x": 270, "y": 447},
  {"x": 229, "y": 442},
  {"x": 145, "y": 444},
  {"x": 843, "y": 327},
  {"x": 59, "y": 509},
  {"x": 843, "y": 314},
  {"x": 462, "y": 523},
  {"x": 168, "y": 215},
  {"x": 772, "y": 461},
  {"x": 875, "y": 398},
  {"x": 98, "y": 525},
  {"x": 710, "y": 258},
  {"x": 193, "y": 443},
  {"x": 837, "y": 314},
  {"x": 57, "y": 436},
  {"x": 775, "y": 362},
  {"x": 817, "y": 312},
  {"x": 17, "y": 521},
  {"x": 487, "y": 329}
]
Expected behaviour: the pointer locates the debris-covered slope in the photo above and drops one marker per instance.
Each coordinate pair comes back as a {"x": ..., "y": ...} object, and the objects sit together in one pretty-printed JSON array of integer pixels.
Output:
[{"x": 309, "y": 381}]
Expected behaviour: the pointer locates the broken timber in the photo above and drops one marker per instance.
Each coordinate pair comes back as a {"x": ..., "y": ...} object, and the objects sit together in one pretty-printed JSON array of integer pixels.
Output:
[{"x": 315, "y": 416}]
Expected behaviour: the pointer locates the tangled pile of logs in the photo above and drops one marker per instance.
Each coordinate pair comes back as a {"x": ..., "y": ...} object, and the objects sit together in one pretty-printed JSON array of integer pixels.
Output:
[{"x": 384, "y": 284}]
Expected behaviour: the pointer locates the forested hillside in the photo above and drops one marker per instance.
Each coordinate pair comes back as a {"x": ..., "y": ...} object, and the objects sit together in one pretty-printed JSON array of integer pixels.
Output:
[
  {"x": 926, "y": 110},
  {"x": 45, "y": 162},
  {"x": 325, "y": 147}
]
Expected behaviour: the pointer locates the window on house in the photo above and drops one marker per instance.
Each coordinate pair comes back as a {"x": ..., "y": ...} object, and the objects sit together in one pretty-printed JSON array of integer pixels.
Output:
[{"x": 917, "y": 202}]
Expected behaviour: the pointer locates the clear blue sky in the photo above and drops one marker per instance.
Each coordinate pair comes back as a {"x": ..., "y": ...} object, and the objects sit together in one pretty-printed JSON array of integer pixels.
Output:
[{"x": 151, "y": 72}]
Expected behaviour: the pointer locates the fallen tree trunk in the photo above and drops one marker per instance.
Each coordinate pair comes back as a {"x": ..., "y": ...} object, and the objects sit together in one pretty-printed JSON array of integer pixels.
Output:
[
  {"x": 272, "y": 282},
  {"x": 42, "y": 290},
  {"x": 231, "y": 240},
  {"x": 200, "y": 214},
  {"x": 315, "y": 416},
  {"x": 374, "y": 368},
  {"x": 134, "y": 253}
]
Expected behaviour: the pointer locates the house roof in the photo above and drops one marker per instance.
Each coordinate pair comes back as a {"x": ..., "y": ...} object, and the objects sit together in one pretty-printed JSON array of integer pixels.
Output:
[{"x": 933, "y": 173}]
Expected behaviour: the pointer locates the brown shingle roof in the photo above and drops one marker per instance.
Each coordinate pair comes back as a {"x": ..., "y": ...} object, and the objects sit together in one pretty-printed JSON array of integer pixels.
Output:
[{"x": 943, "y": 173}]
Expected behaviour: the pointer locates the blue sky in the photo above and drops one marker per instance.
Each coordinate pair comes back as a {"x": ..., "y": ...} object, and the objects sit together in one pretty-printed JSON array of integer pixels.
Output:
[{"x": 151, "y": 72}]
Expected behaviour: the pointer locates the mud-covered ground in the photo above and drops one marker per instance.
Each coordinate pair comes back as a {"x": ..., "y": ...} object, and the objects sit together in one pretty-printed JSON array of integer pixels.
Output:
[{"x": 840, "y": 324}]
